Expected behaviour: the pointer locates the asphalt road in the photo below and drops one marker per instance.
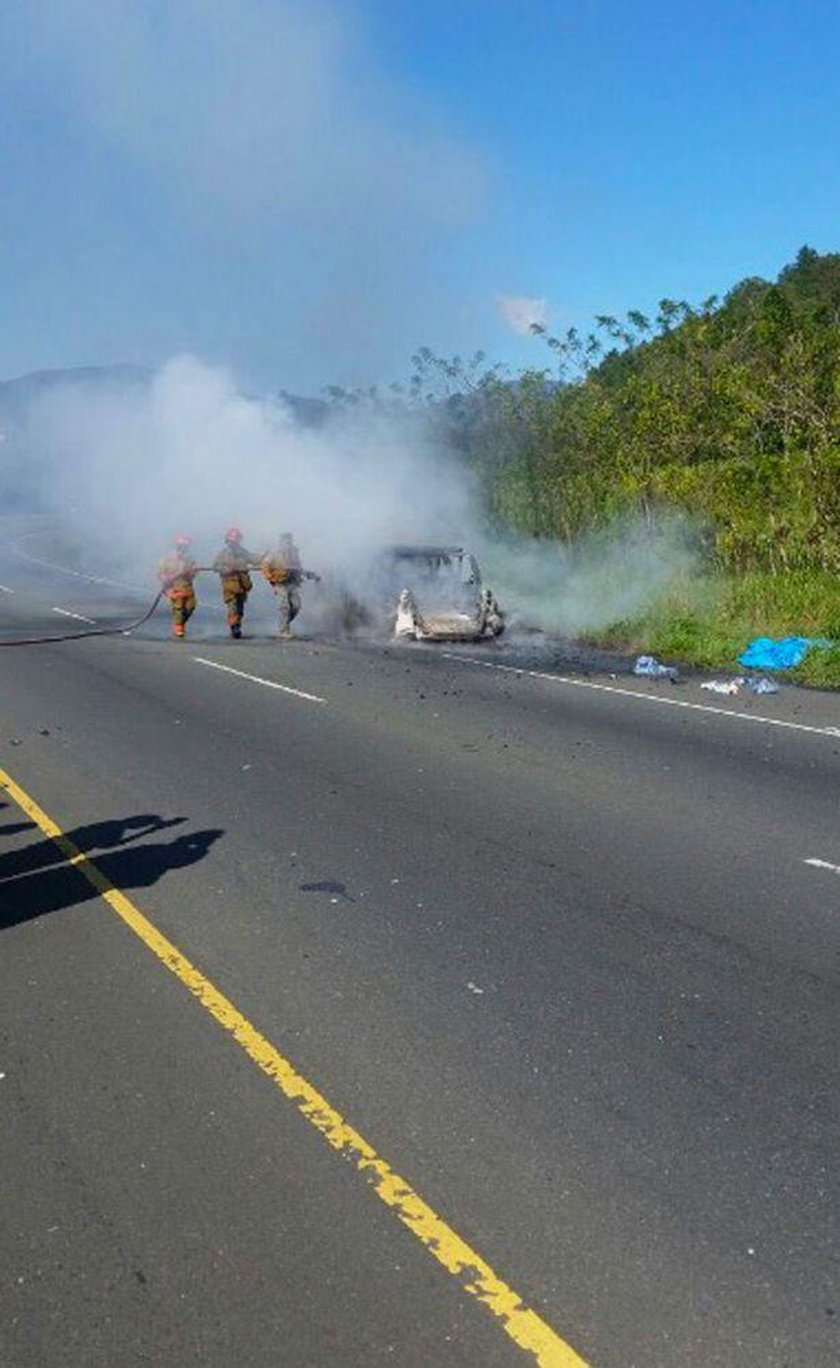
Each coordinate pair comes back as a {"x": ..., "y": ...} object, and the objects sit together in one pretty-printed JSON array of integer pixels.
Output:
[{"x": 547, "y": 938}]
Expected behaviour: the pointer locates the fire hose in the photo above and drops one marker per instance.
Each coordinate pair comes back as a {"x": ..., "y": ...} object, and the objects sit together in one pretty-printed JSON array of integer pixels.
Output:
[
  {"x": 91, "y": 632},
  {"x": 123, "y": 630}
]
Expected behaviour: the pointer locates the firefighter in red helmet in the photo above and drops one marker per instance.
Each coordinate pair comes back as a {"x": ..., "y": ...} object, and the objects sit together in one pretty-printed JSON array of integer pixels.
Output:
[
  {"x": 232, "y": 565},
  {"x": 177, "y": 571}
]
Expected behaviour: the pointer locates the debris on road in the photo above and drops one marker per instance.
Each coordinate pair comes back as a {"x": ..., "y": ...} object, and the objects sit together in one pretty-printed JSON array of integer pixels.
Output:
[
  {"x": 757, "y": 684},
  {"x": 650, "y": 668},
  {"x": 760, "y": 684},
  {"x": 723, "y": 686}
]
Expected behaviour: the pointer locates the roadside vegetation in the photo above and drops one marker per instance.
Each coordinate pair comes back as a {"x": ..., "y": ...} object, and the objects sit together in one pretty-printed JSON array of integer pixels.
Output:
[
  {"x": 707, "y": 621},
  {"x": 728, "y": 411}
]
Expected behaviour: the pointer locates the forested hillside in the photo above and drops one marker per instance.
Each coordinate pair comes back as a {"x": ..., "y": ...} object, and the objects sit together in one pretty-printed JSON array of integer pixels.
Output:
[{"x": 729, "y": 409}]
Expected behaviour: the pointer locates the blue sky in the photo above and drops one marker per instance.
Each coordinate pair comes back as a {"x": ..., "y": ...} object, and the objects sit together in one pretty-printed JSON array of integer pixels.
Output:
[{"x": 309, "y": 192}]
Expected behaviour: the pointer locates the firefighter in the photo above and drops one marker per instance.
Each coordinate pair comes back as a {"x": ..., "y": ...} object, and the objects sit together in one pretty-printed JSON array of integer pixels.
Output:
[
  {"x": 177, "y": 571},
  {"x": 284, "y": 572},
  {"x": 232, "y": 565}
]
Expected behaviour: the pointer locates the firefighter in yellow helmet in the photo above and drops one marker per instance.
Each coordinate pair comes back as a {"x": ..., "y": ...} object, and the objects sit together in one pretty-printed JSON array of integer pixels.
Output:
[
  {"x": 177, "y": 571},
  {"x": 232, "y": 564},
  {"x": 284, "y": 572}
]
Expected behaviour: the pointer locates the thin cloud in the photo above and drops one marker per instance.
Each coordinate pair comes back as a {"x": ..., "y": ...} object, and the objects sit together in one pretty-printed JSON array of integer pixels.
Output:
[{"x": 521, "y": 313}]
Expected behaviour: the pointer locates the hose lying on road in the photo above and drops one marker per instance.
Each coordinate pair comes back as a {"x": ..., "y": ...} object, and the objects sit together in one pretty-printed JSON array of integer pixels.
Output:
[
  {"x": 91, "y": 632},
  {"x": 108, "y": 631}
]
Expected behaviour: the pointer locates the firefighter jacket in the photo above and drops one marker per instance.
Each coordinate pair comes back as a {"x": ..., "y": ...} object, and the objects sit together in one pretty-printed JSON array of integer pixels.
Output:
[
  {"x": 283, "y": 567},
  {"x": 233, "y": 564},
  {"x": 177, "y": 574}
]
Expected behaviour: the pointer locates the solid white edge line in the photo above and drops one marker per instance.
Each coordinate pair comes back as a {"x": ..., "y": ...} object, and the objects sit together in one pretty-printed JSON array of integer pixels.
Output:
[
  {"x": 64, "y": 570},
  {"x": 4, "y": 589},
  {"x": 823, "y": 864},
  {"x": 77, "y": 574},
  {"x": 645, "y": 698},
  {"x": 256, "y": 679},
  {"x": 65, "y": 612}
]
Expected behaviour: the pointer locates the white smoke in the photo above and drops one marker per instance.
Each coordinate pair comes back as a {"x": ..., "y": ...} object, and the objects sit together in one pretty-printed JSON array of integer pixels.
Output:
[
  {"x": 188, "y": 453},
  {"x": 610, "y": 576},
  {"x": 265, "y": 112},
  {"x": 279, "y": 194}
]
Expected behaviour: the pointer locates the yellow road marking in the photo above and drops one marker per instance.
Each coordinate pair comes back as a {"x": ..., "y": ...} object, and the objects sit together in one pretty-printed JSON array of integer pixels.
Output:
[{"x": 476, "y": 1277}]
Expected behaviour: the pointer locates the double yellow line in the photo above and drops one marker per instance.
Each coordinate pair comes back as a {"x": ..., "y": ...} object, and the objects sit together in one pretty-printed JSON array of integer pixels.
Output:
[{"x": 475, "y": 1276}]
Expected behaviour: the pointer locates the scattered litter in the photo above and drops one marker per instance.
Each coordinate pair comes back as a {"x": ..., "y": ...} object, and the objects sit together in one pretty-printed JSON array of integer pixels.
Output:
[
  {"x": 757, "y": 684},
  {"x": 474, "y": 988},
  {"x": 760, "y": 684},
  {"x": 766, "y": 654},
  {"x": 651, "y": 669},
  {"x": 723, "y": 686}
]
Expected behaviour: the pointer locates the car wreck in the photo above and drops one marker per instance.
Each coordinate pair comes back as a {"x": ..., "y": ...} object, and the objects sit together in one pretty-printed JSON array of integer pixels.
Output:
[{"x": 436, "y": 594}]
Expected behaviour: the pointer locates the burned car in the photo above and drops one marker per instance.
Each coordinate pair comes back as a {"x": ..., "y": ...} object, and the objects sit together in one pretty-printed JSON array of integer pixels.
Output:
[{"x": 434, "y": 593}]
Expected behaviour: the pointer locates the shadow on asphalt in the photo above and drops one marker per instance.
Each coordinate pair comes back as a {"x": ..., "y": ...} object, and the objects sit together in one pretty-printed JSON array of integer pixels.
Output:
[{"x": 37, "y": 879}]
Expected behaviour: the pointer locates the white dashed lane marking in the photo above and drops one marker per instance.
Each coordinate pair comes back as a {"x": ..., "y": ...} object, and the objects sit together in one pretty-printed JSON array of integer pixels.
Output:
[
  {"x": 256, "y": 679},
  {"x": 79, "y": 617},
  {"x": 65, "y": 570},
  {"x": 823, "y": 864}
]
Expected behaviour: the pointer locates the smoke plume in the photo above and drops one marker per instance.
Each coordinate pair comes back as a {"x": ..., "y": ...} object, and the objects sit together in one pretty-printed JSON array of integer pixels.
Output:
[
  {"x": 246, "y": 178},
  {"x": 131, "y": 462},
  {"x": 134, "y": 462},
  {"x": 603, "y": 578}
]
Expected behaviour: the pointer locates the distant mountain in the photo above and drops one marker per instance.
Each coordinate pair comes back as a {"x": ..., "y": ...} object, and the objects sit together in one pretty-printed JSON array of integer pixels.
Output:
[
  {"x": 311, "y": 413},
  {"x": 17, "y": 394}
]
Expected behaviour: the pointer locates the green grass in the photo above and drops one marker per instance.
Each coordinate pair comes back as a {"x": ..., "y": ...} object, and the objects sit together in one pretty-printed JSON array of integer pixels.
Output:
[{"x": 707, "y": 622}]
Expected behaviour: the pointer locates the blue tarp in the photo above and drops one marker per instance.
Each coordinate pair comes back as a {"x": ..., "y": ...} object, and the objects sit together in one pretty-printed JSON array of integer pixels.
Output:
[{"x": 766, "y": 654}]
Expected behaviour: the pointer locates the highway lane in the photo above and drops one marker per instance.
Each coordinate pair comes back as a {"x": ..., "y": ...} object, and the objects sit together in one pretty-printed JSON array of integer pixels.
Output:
[{"x": 556, "y": 951}]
